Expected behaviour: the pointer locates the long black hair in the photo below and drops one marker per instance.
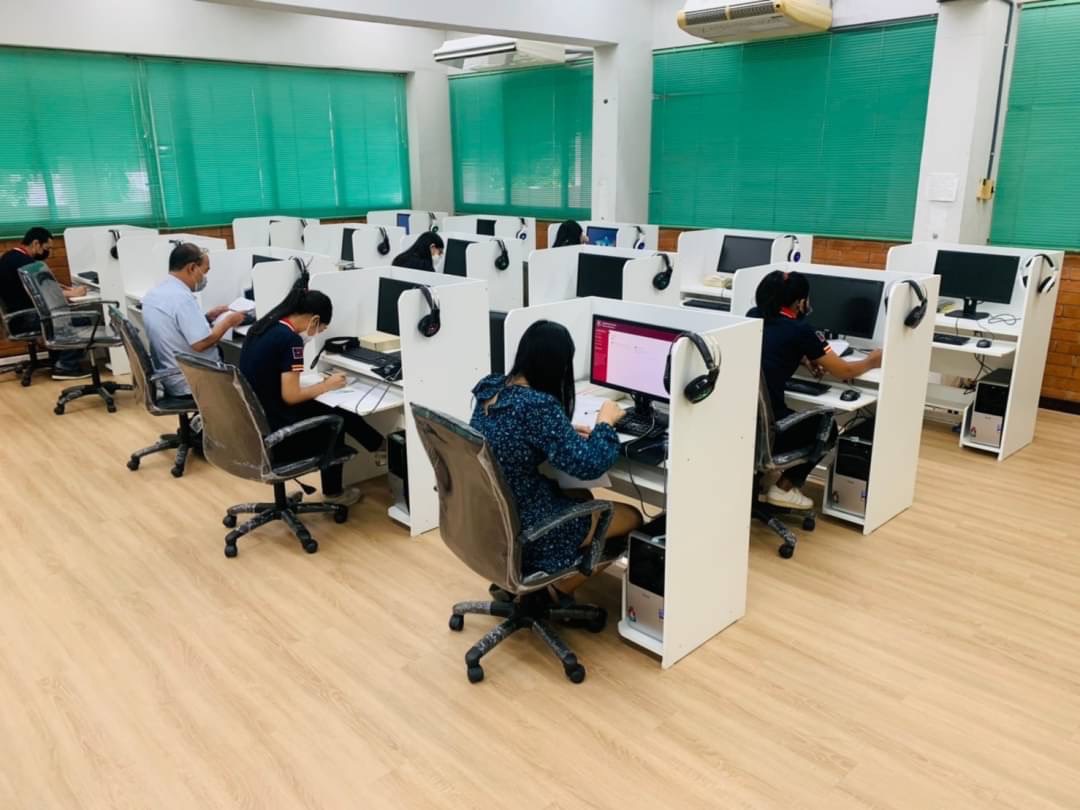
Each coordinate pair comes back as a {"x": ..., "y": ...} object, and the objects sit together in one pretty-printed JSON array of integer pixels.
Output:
[
  {"x": 778, "y": 290},
  {"x": 299, "y": 301},
  {"x": 545, "y": 358},
  {"x": 569, "y": 234},
  {"x": 418, "y": 257}
]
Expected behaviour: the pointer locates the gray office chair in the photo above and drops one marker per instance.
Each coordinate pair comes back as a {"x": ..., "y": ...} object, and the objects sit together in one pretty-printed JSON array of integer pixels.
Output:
[
  {"x": 157, "y": 403},
  {"x": 72, "y": 327},
  {"x": 478, "y": 521},
  {"x": 22, "y": 326},
  {"x": 238, "y": 440},
  {"x": 767, "y": 461}
]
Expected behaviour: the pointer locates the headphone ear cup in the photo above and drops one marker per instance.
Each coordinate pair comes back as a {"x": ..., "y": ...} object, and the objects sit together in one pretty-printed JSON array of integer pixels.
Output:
[
  {"x": 502, "y": 261},
  {"x": 667, "y": 370}
]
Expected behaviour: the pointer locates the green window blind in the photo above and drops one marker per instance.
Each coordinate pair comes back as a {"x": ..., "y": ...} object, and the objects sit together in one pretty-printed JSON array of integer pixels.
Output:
[
  {"x": 71, "y": 149},
  {"x": 819, "y": 134},
  {"x": 1038, "y": 187},
  {"x": 522, "y": 142},
  {"x": 238, "y": 140}
]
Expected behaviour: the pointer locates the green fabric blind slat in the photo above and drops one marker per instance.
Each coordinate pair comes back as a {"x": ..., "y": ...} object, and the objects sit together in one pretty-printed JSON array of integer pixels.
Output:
[
  {"x": 820, "y": 134},
  {"x": 522, "y": 142}
]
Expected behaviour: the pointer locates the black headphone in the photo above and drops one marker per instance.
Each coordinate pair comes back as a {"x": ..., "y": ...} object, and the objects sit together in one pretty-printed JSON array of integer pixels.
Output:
[
  {"x": 303, "y": 227},
  {"x": 114, "y": 251},
  {"x": 699, "y": 388},
  {"x": 523, "y": 231},
  {"x": 302, "y": 268},
  {"x": 384, "y": 241},
  {"x": 431, "y": 223},
  {"x": 918, "y": 312},
  {"x": 639, "y": 241},
  {"x": 502, "y": 261},
  {"x": 1044, "y": 283},
  {"x": 431, "y": 323},
  {"x": 793, "y": 254},
  {"x": 269, "y": 235},
  {"x": 662, "y": 280}
]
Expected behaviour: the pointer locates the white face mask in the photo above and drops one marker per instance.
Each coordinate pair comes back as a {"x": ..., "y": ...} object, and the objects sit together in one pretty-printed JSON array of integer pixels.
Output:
[{"x": 307, "y": 336}]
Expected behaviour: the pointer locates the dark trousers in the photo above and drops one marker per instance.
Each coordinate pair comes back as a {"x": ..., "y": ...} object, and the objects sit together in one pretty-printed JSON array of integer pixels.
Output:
[
  {"x": 69, "y": 360},
  {"x": 298, "y": 447},
  {"x": 803, "y": 434}
]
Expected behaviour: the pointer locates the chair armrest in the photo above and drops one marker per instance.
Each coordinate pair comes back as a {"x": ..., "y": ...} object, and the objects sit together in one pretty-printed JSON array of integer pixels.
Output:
[
  {"x": 336, "y": 423},
  {"x": 158, "y": 376},
  {"x": 826, "y": 417},
  {"x": 97, "y": 302},
  {"x": 18, "y": 313},
  {"x": 584, "y": 509}
]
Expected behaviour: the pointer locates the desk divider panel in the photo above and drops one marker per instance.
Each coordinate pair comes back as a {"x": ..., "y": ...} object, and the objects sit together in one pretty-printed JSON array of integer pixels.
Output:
[
  {"x": 506, "y": 288},
  {"x": 638, "y": 275},
  {"x": 626, "y": 236},
  {"x": 553, "y": 272},
  {"x": 325, "y": 240},
  {"x": 366, "y": 239},
  {"x": 272, "y": 281},
  {"x": 229, "y": 276},
  {"x": 506, "y": 228},
  {"x": 699, "y": 251},
  {"x": 419, "y": 221}
]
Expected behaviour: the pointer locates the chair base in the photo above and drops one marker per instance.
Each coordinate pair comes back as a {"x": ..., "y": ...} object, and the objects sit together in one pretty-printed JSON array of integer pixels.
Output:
[
  {"x": 25, "y": 369},
  {"x": 105, "y": 390},
  {"x": 534, "y": 611},
  {"x": 284, "y": 508},
  {"x": 771, "y": 516},
  {"x": 182, "y": 442}
]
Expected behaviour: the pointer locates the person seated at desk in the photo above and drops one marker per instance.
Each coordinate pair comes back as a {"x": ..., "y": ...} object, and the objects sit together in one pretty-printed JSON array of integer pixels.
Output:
[
  {"x": 273, "y": 359},
  {"x": 788, "y": 340},
  {"x": 35, "y": 247},
  {"x": 525, "y": 419},
  {"x": 174, "y": 322},
  {"x": 425, "y": 251},
  {"x": 570, "y": 233}
]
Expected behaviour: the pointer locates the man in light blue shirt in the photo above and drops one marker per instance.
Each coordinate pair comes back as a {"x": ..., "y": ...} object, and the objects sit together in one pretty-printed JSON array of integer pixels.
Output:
[{"x": 174, "y": 322}]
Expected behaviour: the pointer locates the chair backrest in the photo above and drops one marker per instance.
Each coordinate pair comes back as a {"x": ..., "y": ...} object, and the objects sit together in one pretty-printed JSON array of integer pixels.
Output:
[
  {"x": 478, "y": 519},
  {"x": 766, "y": 429},
  {"x": 142, "y": 368},
  {"x": 234, "y": 424},
  {"x": 48, "y": 296}
]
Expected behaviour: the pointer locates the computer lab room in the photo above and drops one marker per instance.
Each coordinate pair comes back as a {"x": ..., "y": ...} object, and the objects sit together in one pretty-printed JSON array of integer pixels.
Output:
[{"x": 452, "y": 405}]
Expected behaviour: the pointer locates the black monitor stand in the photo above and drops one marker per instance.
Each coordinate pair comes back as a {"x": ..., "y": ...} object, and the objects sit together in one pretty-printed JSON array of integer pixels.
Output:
[
  {"x": 644, "y": 411},
  {"x": 968, "y": 313}
]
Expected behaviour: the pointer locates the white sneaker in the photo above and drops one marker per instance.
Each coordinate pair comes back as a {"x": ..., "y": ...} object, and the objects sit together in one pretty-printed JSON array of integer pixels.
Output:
[
  {"x": 791, "y": 499},
  {"x": 350, "y": 496}
]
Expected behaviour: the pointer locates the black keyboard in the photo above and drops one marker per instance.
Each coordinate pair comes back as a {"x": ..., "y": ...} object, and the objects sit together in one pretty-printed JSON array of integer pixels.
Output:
[
  {"x": 721, "y": 305},
  {"x": 813, "y": 389},
  {"x": 950, "y": 340},
  {"x": 372, "y": 357},
  {"x": 641, "y": 425}
]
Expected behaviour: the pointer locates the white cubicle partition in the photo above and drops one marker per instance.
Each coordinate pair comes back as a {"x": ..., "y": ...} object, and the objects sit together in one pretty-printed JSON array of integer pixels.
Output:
[
  {"x": 699, "y": 257},
  {"x": 367, "y": 240},
  {"x": 439, "y": 372},
  {"x": 705, "y": 486},
  {"x": 273, "y": 231},
  {"x": 419, "y": 221},
  {"x": 517, "y": 229},
  {"x": 552, "y": 275},
  {"x": 327, "y": 240},
  {"x": 893, "y": 394},
  {"x": 506, "y": 287},
  {"x": 144, "y": 260},
  {"x": 1020, "y": 338},
  {"x": 629, "y": 235}
]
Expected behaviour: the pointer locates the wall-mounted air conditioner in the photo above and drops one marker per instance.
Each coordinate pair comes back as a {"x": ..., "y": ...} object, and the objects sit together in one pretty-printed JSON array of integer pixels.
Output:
[
  {"x": 754, "y": 19},
  {"x": 492, "y": 53}
]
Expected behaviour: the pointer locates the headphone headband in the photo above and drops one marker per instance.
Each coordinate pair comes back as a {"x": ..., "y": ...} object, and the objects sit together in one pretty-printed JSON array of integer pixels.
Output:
[
  {"x": 431, "y": 323},
  {"x": 662, "y": 280},
  {"x": 918, "y": 312},
  {"x": 699, "y": 388},
  {"x": 1046, "y": 283}
]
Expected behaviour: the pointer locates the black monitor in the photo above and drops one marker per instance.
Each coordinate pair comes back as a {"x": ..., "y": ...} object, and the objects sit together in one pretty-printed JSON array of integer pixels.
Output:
[
  {"x": 454, "y": 261},
  {"x": 976, "y": 277},
  {"x": 346, "y": 244},
  {"x": 599, "y": 275},
  {"x": 497, "y": 335},
  {"x": 390, "y": 289},
  {"x": 846, "y": 307},
  {"x": 485, "y": 227},
  {"x": 403, "y": 222},
  {"x": 744, "y": 251}
]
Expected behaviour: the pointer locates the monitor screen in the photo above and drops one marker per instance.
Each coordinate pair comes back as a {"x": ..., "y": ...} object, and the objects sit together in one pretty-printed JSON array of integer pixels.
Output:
[
  {"x": 744, "y": 251},
  {"x": 497, "y": 335},
  {"x": 979, "y": 276},
  {"x": 845, "y": 306},
  {"x": 403, "y": 222},
  {"x": 390, "y": 289},
  {"x": 346, "y": 244},
  {"x": 485, "y": 227},
  {"x": 601, "y": 237},
  {"x": 630, "y": 357},
  {"x": 454, "y": 261},
  {"x": 601, "y": 276}
]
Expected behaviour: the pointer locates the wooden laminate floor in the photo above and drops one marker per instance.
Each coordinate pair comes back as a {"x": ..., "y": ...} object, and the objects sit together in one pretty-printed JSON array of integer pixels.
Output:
[{"x": 935, "y": 664}]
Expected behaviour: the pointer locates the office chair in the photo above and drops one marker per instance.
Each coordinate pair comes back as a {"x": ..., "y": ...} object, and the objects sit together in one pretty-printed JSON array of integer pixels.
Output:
[
  {"x": 72, "y": 327},
  {"x": 22, "y": 326},
  {"x": 146, "y": 382},
  {"x": 478, "y": 521},
  {"x": 767, "y": 461},
  {"x": 238, "y": 440}
]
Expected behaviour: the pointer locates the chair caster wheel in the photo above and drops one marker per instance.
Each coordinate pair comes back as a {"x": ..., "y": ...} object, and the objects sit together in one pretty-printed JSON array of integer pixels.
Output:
[
  {"x": 310, "y": 546},
  {"x": 25, "y": 383},
  {"x": 59, "y": 410},
  {"x": 476, "y": 674},
  {"x": 597, "y": 624},
  {"x": 110, "y": 408},
  {"x": 456, "y": 623},
  {"x": 809, "y": 524},
  {"x": 786, "y": 551},
  {"x": 177, "y": 472},
  {"x": 230, "y": 551},
  {"x": 133, "y": 464},
  {"x": 341, "y": 514},
  {"x": 575, "y": 672},
  {"x": 229, "y": 521}
]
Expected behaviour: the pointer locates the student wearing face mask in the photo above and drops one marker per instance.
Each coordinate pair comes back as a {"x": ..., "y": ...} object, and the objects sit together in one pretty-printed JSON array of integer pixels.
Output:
[
  {"x": 272, "y": 361},
  {"x": 175, "y": 324},
  {"x": 424, "y": 253}
]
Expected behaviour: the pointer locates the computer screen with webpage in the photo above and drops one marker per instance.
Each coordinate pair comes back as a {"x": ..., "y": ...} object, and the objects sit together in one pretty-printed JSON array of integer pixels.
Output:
[
  {"x": 601, "y": 237},
  {"x": 630, "y": 356},
  {"x": 403, "y": 222}
]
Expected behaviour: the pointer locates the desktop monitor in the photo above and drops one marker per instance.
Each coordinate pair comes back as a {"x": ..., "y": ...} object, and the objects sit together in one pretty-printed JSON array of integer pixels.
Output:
[
  {"x": 630, "y": 356},
  {"x": 601, "y": 276},
  {"x": 390, "y": 289},
  {"x": 403, "y": 222},
  {"x": 485, "y": 227},
  {"x": 497, "y": 336},
  {"x": 601, "y": 237},
  {"x": 845, "y": 306},
  {"x": 346, "y": 244},
  {"x": 454, "y": 261},
  {"x": 743, "y": 251},
  {"x": 976, "y": 277}
]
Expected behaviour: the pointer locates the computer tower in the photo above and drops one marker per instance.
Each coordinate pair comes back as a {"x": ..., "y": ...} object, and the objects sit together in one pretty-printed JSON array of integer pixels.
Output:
[
  {"x": 397, "y": 468},
  {"x": 988, "y": 412},
  {"x": 851, "y": 469},
  {"x": 644, "y": 583}
]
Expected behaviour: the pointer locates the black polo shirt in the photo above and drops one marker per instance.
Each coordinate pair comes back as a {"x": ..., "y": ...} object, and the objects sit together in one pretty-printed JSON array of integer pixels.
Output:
[
  {"x": 263, "y": 360},
  {"x": 785, "y": 341},
  {"x": 12, "y": 292}
]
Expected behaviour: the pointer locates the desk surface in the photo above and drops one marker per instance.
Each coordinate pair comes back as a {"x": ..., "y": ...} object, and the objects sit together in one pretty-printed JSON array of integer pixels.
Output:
[
  {"x": 831, "y": 398},
  {"x": 369, "y": 393},
  {"x": 1001, "y": 329},
  {"x": 997, "y": 348}
]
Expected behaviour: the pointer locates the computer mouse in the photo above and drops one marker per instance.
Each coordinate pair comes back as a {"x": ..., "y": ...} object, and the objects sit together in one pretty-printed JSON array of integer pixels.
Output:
[
  {"x": 850, "y": 395},
  {"x": 984, "y": 344}
]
